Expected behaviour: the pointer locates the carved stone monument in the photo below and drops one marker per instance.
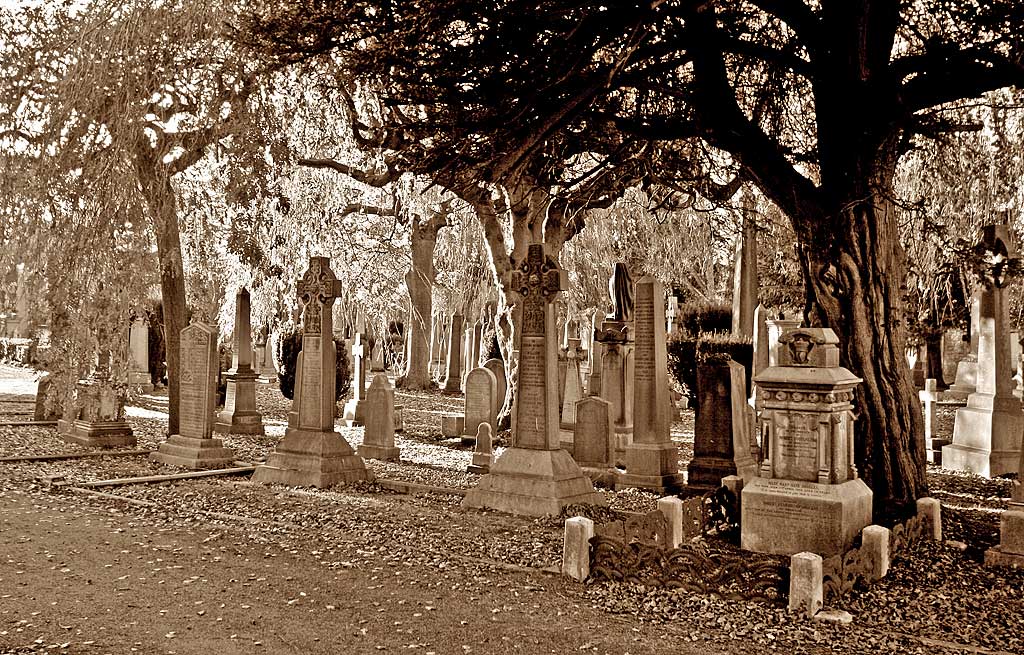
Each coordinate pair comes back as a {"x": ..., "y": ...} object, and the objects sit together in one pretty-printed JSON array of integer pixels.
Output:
[
  {"x": 240, "y": 415},
  {"x": 534, "y": 476},
  {"x": 808, "y": 497},
  {"x": 652, "y": 460},
  {"x": 615, "y": 339},
  {"x": 312, "y": 453},
  {"x": 987, "y": 432},
  {"x": 379, "y": 435},
  {"x": 194, "y": 446}
]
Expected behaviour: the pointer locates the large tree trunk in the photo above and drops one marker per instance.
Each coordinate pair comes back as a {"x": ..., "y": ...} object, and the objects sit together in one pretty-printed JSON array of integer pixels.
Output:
[
  {"x": 420, "y": 281},
  {"x": 160, "y": 198},
  {"x": 855, "y": 277}
]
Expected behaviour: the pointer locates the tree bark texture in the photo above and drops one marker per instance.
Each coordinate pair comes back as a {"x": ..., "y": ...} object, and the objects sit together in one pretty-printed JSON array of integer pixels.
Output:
[
  {"x": 854, "y": 281},
  {"x": 420, "y": 282}
]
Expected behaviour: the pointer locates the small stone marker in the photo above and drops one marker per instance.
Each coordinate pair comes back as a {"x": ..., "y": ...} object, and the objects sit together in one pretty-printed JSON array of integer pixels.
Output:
[
  {"x": 240, "y": 415},
  {"x": 312, "y": 453},
  {"x": 379, "y": 436},
  {"x": 483, "y": 452},
  {"x": 806, "y": 591},
  {"x": 576, "y": 548},
  {"x": 875, "y": 539},
  {"x": 481, "y": 391},
  {"x": 652, "y": 460},
  {"x": 194, "y": 447},
  {"x": 534, "y": 476}
]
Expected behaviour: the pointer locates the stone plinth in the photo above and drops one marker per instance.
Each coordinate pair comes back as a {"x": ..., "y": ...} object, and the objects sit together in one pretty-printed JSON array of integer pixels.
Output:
[
  {"x": 784, "y": 517},
  {"x": 312, "y": 453},
  {"x": 96, "y": 418},
  {"x": 193, "y": 447},
  {"x": 533, "y": 482},
  {"x": 808, "y": 496}
]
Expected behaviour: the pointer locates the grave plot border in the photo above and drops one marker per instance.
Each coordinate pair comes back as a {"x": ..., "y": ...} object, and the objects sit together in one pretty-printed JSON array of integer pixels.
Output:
[
  {"x": 842, "y": 573},
  {"x": 637, "y": 550}
]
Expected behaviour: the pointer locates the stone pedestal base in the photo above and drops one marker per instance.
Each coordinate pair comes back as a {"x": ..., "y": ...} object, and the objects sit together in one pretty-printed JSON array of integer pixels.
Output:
[
  {"x": 240, "y": 415},
  {"x": 96, "y": 434},
  {"x": 602, "y": 476},
  {"x": 140, "y": 379},
  {"x": 482, "y": 463},
  {"x": 193, "y": 453},
  {"x": 705, "y": 473},
  {"x": 785, "y": 517},
  {"x": 652, "y": 466},
  {"x": 355, "y": 413},
  {"x": 368, "y": 451},
  {"x": 985, "y": 441},
  {"x": 307, "y": 458},
  {"x": 534, "y": 483},
  {"x": 1010, "y": 551}
]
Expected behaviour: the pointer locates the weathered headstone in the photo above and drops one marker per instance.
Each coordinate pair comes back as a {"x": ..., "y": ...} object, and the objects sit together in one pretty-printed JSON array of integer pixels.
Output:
[
  {"x": 194, "y": 446},
  {"x": 95, "y": 417},
  {"x": 966, "y": 378},
  {"x": 483, "y": 455},
  {"x": 312, "y": 453},
  {"x": 534, "y": 476},
  {"x": 379, "y": 435},
  {"x": 721, "y": 444},
  {"x": 497, "y": 367},
  {"x": 808, "y": 497},
  {"x": 138, "y": 361},
  {"x": 593, "y": 445},
  {"x": 47, "y": 405},
  {"x": 355, "y": 408},
  {"x": 481, "y": 392},
  {"x": 377, "y": 355},
  {"x": 652, "y": 460},
  {"x": 573, "y": 389},
  {"x": 987, "y": 432},
  {"x": 453, "y": 383},
  {"x": 240, "y": 415}
]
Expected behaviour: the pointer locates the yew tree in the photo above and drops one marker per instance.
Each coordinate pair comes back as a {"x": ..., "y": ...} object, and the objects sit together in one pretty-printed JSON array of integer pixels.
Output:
[{"x": 814, "y": 100}]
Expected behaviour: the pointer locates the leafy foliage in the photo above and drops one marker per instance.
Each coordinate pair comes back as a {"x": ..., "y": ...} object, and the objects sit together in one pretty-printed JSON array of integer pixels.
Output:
[{"x": 289, "y": 345}]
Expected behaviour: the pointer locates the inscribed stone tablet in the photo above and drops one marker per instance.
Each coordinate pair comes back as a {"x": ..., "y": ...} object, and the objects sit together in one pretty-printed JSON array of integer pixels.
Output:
[
  {"x": 198, "y": 381},
  {"x": 797, "y": 437},
  {"x": 531, "y": 403},
  {"x": 311, "y": 390}
]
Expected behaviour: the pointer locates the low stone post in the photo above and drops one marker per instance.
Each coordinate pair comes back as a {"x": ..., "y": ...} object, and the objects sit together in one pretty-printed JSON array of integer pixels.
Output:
[
  {"x": 931, "y": 508},
  {"x": 576, "y": 549},
  {"x": 875, "y": 539},
  {"x": 805, "y": 583},
  {"x": 672, "y": 509}
]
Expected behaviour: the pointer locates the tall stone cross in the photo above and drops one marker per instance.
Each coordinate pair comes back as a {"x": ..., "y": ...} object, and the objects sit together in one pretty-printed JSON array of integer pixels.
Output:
[
  {"x": 534, "y": 287},
  {"x": 315, "y": 383}
]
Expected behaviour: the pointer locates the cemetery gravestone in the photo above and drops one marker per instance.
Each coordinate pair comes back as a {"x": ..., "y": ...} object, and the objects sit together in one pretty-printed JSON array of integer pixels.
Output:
[
  {"x": 453, "y": 383},
  {"x": 138, "y": 347},
  {"x": 379, "y": 435},
  {"x": 47, "y": 404},
  {"x": 721, "y": 444},
  {"x": 987, "y": 432},
  {"x": 240, "y": 415},
  {"x": 573, "y": 384},
  {"x": 355, "y": 408},
  {"x": 95, "y": 417},
  {"x": 483, "y": 456},
  {"x": 966, "y": 378},
  {"x": 534, "y": 476},
  {"x": 312, "y": 453},
  {"x": 652, "y": 460},
  {"x": 594, "y": 439},
  {"x": 377, "y": 355},
  {"x": 808, "y": 496},
  {"x": 1010, "y": 551},
  {"x": 497, "y": 367},
  {"x": 933, "y": 445},
  {"x": 481, "y": 394},
  {"x": 194, "y": 447}
]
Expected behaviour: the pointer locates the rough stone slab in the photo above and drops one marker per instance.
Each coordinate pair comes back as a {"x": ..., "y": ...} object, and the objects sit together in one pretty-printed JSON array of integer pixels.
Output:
[
  {"x": 933, "y": 509},
  {"x": 806, "y": 592},
  {"x": 576, "y": 548}
]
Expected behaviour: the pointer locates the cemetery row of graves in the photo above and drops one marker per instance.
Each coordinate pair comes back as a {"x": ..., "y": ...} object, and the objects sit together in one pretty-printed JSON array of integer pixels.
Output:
[{"x": 762, "y": 504}]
